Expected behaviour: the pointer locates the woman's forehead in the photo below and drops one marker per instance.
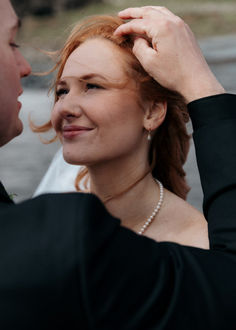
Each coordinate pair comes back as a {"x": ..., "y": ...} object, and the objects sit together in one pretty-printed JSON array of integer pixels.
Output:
[{"x": 96, "y": 56}]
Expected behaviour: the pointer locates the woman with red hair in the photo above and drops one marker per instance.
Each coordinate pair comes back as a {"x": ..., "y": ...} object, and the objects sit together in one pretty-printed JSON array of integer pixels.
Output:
[{"x": 126, "y": 131}]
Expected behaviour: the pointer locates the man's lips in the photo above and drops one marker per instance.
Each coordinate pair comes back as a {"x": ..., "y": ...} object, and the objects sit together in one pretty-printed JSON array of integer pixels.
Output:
[
  {"x": 18, "y": 102},
  {"x": 19, "y": 105},
  {"x": 69, "y": 131}
]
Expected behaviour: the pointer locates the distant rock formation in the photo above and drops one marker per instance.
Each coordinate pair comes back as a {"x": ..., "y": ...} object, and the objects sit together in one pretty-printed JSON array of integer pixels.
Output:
[{"x": 47, "y": 7}]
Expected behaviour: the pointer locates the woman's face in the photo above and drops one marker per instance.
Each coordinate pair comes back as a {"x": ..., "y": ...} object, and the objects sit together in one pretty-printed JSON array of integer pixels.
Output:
[{"x": 96, "y": 118}]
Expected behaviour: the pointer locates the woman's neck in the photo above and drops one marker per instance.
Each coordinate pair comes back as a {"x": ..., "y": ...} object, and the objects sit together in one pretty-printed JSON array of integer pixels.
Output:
[
  {"x": 109, "y": 179},
  {"x": 128, "y": 192}
]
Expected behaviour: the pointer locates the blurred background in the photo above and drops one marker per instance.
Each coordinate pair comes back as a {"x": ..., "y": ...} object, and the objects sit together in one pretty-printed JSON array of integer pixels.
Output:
[{"x": 46, "y": 24}]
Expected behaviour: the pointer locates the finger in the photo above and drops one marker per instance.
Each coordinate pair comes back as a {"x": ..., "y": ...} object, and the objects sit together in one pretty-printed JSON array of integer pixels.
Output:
[
  {"x": 136, "y": 26},
  {"x": 136, "y": 12},
  {"x": 144, "y": 53},
  {"x": 164, "y": 10},
  {"x": 154, "y": 9},
  {"x": 131, "y": 13},
  {"x": 140, "y": 12}
]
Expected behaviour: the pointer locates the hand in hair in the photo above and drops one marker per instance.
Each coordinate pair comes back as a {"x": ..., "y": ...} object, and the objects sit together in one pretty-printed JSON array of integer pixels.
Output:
[{"x": 172, "y": 57}]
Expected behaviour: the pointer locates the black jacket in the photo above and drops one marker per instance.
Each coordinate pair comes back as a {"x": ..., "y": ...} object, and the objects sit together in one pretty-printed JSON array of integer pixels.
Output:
[{"x": 65, "y": 263}]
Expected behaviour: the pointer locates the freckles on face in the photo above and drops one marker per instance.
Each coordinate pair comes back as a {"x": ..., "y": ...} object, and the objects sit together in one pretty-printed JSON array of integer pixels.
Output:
[{"x": 95, "y": 93}]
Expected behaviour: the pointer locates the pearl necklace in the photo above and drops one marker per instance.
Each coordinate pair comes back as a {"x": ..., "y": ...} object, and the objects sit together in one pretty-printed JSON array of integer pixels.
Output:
[{"x": 155, "y": 211}]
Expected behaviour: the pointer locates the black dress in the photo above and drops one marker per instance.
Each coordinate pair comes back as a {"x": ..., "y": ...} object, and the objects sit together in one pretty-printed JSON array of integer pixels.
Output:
[{"x": 65, "y": 263}]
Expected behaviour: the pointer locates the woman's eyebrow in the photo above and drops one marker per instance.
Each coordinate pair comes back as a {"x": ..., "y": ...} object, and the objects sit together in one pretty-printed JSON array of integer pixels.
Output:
[
  {"x": 62, "y": 82},
  {"x": 92, "y": 75}
]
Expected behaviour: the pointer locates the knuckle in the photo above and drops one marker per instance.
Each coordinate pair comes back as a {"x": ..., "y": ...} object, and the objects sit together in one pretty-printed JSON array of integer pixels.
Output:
[
  {"x": 145, "y": 26},
  {"x": 148, "y": 9},
  {"x": 166, "y": 24},
  {"x": 179, "y": 22},
  {"x": 172, "y": 23},
  {"x": 187, "y": 27}
]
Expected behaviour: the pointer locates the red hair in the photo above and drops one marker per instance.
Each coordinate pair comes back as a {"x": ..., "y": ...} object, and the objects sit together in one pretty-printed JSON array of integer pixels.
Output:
[{"x": 170, "y": 145}]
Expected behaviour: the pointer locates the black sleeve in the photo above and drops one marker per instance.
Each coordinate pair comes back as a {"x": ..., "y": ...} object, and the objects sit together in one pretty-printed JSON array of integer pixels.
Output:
[{"x": 214, "y": 123}]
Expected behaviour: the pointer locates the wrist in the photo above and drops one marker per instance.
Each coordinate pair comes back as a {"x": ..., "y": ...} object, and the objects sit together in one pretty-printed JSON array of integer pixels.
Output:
[
  {"x": 196, "y": 95},
  {"x": 201, "y": 88}
]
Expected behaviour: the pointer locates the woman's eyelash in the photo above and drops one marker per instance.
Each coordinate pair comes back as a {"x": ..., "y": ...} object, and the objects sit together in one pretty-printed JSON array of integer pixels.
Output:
[
  {"x": 92, "y": 86},
  {"x": 61, "y": 91}
]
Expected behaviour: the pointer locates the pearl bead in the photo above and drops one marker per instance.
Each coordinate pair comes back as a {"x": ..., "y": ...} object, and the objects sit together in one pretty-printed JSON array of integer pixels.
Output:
[{"x": 155, "y": 211}]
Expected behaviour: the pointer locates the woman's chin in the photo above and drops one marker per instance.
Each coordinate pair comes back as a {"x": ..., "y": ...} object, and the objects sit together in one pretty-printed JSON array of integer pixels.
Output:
[{"x": 75, "y": 161}]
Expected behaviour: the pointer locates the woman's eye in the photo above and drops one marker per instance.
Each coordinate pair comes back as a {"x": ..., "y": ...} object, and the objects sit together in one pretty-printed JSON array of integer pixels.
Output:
[
  {"x": 61, "y": 91},
  {"x": 92, "y": 86}
]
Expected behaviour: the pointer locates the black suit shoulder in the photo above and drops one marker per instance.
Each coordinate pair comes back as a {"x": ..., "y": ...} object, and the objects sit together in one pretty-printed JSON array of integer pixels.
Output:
[
  {"x": 41, "y": 255},
  {"x": 4, "y": 197}
]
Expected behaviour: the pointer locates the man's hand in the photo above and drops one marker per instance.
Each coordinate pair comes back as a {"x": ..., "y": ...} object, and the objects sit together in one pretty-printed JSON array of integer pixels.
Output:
[{"x": 172, "y": 57}]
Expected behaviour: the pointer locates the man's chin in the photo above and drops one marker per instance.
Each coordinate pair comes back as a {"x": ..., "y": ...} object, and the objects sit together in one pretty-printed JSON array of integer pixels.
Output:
[
  {"x": 6, "y": 138},
  {"x": 19, "y": 129}
]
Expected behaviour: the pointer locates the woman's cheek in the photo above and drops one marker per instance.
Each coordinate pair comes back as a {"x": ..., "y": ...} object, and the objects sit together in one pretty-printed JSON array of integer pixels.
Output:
[{"x": 55, "y": 118}]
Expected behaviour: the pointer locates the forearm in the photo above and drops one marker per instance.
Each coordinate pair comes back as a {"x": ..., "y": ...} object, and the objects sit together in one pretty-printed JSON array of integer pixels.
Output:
[{"x": 214, "y": 124}]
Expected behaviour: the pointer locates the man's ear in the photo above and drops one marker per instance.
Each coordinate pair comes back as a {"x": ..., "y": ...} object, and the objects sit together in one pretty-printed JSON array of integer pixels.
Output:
[{"x": 154, "y": 115}]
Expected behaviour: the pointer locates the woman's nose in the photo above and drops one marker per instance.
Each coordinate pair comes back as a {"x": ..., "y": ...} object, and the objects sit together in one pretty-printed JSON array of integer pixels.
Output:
[{"x": 70, "y": 108}]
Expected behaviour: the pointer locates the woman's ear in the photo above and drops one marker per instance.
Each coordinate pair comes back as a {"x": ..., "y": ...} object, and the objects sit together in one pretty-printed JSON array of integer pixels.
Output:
[{"x": 154, "y": 115}]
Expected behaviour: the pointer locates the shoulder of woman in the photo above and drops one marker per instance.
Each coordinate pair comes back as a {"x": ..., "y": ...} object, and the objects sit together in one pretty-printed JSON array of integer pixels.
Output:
[
  {"x": 195, "y": 229},
  {"x": 189, "y": 223}
]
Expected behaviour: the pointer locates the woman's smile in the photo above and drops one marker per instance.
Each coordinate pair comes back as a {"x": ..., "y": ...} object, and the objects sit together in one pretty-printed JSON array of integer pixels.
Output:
[{"x": 71, "y": 131}]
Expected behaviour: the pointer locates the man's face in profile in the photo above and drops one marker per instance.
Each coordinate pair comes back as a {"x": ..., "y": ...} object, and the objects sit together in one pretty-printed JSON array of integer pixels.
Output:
[{"x": 12, "y": 68}]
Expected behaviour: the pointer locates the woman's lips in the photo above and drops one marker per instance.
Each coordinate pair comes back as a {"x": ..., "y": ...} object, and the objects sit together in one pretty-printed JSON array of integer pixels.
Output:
[{"x": 69, "y": 132}]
